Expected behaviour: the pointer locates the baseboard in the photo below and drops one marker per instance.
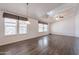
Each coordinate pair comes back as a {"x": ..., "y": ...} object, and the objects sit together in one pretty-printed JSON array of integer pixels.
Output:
[{"x": 66, "y": 35}]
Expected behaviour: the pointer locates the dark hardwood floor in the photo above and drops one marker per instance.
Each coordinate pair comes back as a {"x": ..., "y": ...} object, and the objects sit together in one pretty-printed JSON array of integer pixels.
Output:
[{"x": 46, "y": 45}]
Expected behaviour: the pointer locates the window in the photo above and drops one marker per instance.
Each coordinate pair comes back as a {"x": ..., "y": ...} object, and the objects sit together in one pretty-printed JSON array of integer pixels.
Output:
[
  {"x": 40, "y": 27},
  {"x": 45, "y": 27},
  {"x": 10, "y": 26},
  {"x": 22, "y": 27},
  {"x": 14, "y": 23}
]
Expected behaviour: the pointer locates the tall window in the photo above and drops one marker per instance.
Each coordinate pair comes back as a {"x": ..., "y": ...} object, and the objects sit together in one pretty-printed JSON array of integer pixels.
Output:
[
  {"x": 13, "y": 23},
  {"x": 22, "y": 27},
  {"x": 10, "y": 26},
  {"x": 40, "y": 27},
  {"x": 45, "y": 27}
]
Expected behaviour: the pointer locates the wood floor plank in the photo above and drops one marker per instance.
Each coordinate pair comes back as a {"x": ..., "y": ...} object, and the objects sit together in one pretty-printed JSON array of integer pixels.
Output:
[{"x": 46, "y": 45}]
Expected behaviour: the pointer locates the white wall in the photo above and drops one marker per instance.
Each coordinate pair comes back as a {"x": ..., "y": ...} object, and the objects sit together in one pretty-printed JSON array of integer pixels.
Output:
[
  {"x": 69, "y": 26},
  {"x": 32, "y": 32},
  {"x": 77, "y": 23},
  {"x": 65, "y": 27}
]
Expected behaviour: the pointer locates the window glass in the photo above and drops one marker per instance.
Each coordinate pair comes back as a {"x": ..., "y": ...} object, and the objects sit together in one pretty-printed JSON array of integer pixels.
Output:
[
  {"x": 45, "y": 27},
  {"x": 22, "y": 27},
  {"x": 40, "y": 27},
  {"x": 10, "y": 26}
]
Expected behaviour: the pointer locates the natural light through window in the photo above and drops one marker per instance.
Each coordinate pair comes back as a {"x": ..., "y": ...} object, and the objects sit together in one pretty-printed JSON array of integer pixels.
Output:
[
  {"x": 10, "y": 26},
  {"x": 22, "y": 27},
  {"x": 45, "y": 27},
  {"x": 40, "y": 27}
]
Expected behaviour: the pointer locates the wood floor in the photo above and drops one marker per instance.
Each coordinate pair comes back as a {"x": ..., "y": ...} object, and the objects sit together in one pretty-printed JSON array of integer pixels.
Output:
[{"x": 46, "y": 45}]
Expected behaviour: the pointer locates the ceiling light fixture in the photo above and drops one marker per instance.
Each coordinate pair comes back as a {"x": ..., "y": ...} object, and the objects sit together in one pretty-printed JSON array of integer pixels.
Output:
[
  {"x": 58, "y": 18},
  {"x": 61, "y": 17},
  {"x": 27, "y": 4}
]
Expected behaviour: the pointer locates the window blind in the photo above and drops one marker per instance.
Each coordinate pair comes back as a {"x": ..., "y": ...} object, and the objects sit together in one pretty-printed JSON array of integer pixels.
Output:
[
  {"x": 7, "y": 15},
  {"x": 42, "y": 22}
]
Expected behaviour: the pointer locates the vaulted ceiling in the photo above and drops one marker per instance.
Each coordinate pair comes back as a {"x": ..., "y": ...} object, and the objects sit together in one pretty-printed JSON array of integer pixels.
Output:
[
  {"x": 38, "y": 11},
  {"x": 35, "y": 10}
]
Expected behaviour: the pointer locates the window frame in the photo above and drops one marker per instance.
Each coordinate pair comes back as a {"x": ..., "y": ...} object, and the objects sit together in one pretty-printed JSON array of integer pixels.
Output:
[
  {"x": 22, "y": 26},
  {"x": 43, "y": 28},
  {"x": 5, "y": 25},
  {"x": 40, "y": 27}
]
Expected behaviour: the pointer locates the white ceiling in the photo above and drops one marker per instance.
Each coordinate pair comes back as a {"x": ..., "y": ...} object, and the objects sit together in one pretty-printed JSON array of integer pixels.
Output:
[
  {"x": 36, "y": 10},
  {"x": 66, "y": 10}
]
